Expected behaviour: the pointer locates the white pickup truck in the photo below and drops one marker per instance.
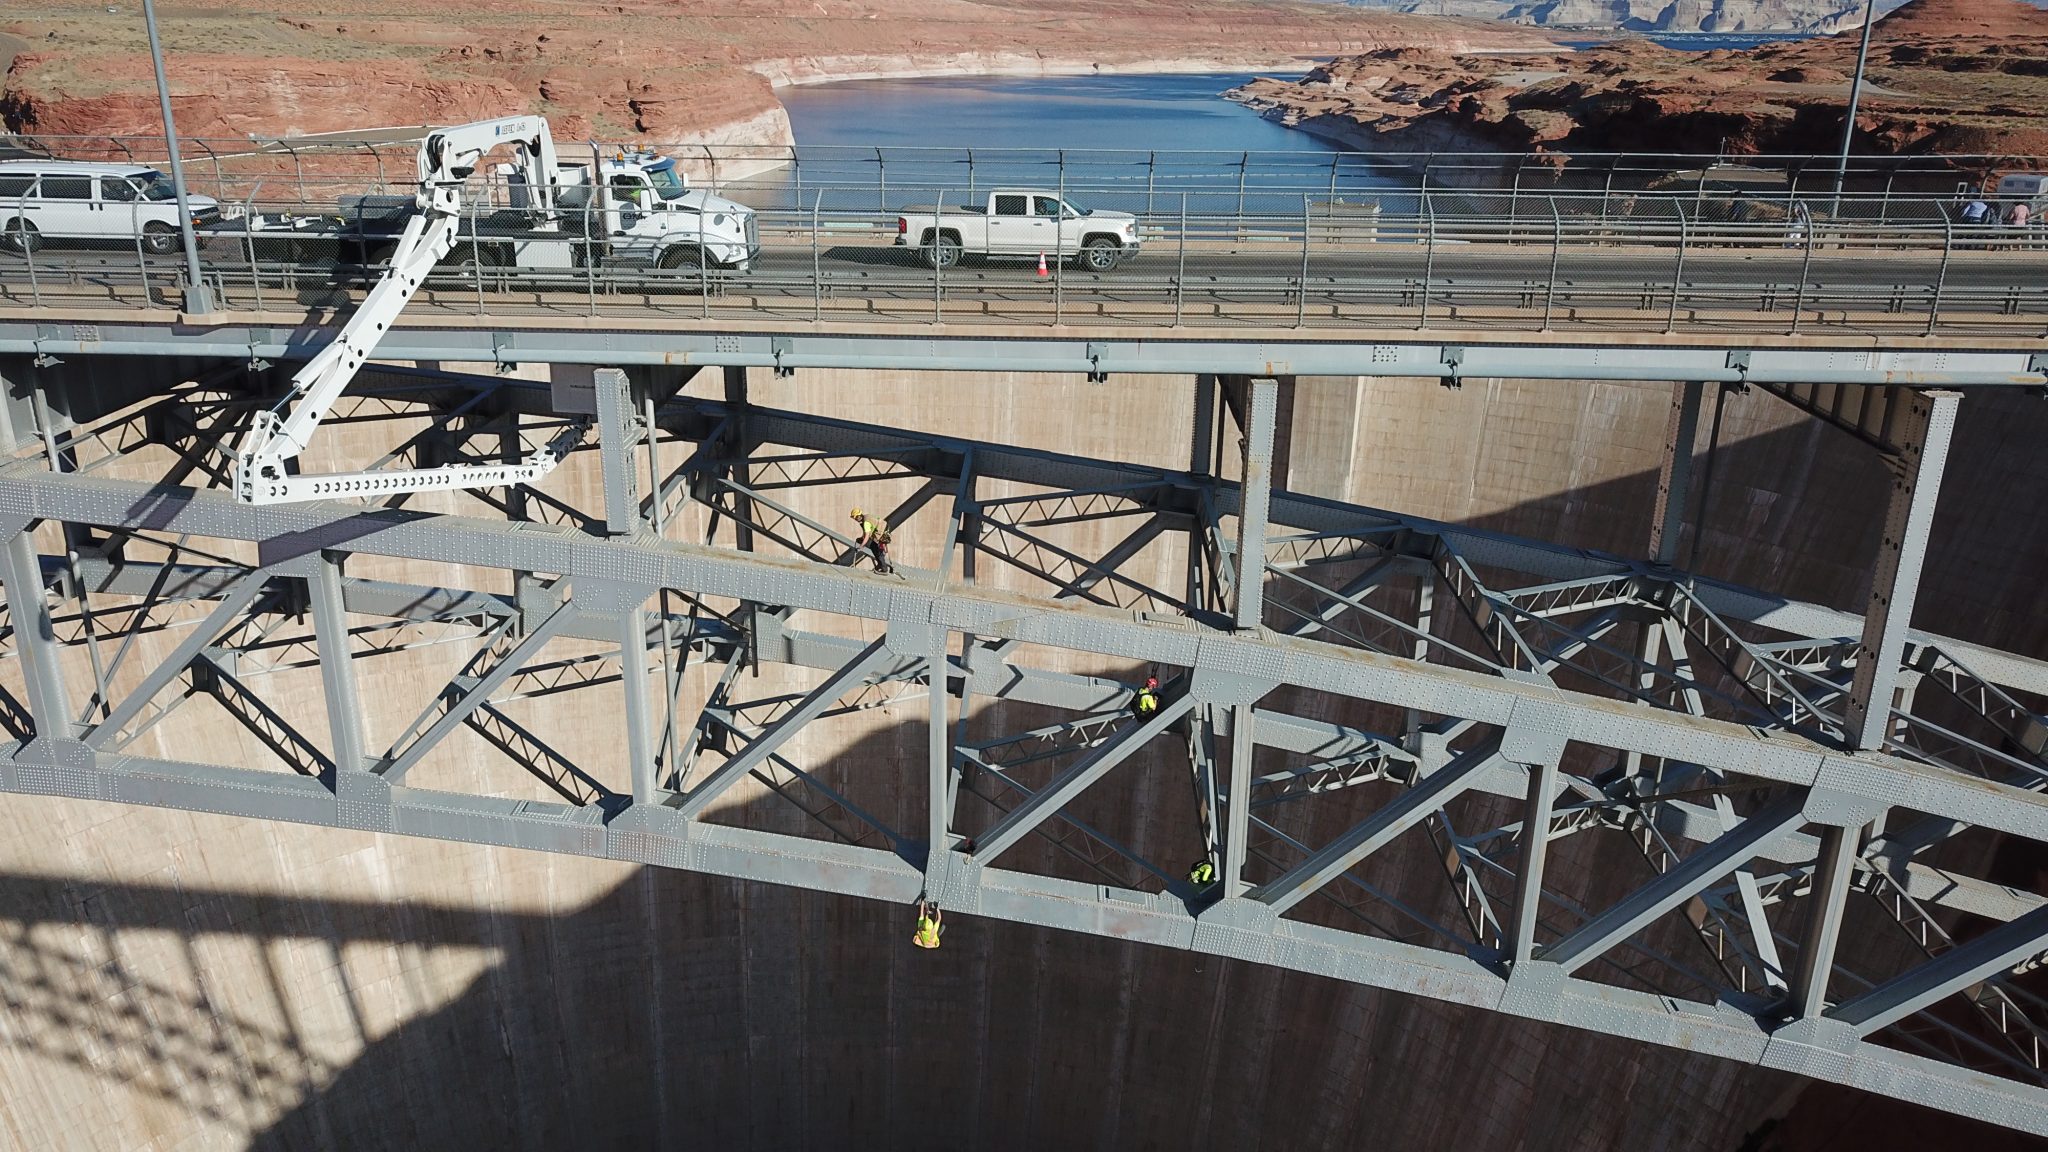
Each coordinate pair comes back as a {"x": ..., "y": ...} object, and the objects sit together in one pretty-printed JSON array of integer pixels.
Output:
[{"x": 1018, "y": 222}]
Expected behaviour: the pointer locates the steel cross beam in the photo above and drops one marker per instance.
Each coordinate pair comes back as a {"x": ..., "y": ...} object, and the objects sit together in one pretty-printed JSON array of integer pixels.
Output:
[{"x": 1874, "y": 360}]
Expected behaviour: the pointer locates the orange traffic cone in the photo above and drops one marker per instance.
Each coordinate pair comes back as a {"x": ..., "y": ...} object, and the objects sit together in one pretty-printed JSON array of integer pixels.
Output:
[{"x": 1041, "y": 266}]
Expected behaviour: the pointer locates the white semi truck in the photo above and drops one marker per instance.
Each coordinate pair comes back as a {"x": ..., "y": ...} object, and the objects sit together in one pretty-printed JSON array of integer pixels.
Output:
[
  {"x": 630, "y": 207},
  {"x": 639, "y": 211},
  {"x": 1019, "y": 222}
]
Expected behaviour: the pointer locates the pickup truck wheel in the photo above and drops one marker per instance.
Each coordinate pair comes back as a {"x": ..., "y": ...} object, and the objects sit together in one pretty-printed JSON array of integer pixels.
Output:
[
  {"x": 159, "y": 238},
  {"x": 944, "y": 254},
  {"x": 22, "y": 236},
  {"x": 1100, "y": 255}
]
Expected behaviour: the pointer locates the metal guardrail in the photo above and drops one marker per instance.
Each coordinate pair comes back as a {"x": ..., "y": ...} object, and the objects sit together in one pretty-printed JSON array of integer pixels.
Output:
[
  {"x": 1562, "y": 264},
  {"x": 788, "y": 175}
]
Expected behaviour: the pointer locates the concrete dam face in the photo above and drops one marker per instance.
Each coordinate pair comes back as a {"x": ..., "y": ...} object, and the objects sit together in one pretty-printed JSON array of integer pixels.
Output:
[{"x": 190, "y": 981}]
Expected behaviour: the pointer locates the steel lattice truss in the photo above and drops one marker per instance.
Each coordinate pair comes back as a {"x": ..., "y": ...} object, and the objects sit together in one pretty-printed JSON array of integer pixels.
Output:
[{"x": 1740, "y": 852}]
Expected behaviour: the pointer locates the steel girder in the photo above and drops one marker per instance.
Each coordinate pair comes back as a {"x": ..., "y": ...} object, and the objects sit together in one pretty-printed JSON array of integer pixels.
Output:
[
  {"x": 1720, "y": 743},
  {"x": 1874, "y": 360}
]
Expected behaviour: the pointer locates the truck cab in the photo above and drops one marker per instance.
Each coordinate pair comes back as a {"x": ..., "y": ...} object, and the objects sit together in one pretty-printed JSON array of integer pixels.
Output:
[
  {"x": 645, "y": 211},
  {"x": 1020, "y": 222},
  {"x": 655, "y": 217}
]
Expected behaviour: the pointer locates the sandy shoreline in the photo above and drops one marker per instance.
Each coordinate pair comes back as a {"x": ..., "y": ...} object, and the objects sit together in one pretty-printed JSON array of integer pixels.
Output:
[{"x": 838, "y": 70}]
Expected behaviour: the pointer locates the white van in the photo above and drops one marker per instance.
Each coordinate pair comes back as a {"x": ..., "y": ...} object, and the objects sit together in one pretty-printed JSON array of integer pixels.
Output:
[{"x": 66, "y": 200}]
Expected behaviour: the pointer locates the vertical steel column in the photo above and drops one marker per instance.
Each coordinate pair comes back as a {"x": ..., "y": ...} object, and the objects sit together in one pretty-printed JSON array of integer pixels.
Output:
[
  {"x": 1674, "y": 479},
  {"x": 1837, "y": 866},
  {"x": 633, "y": 681},
  {"x": 740, "y": 443},
  {"x": 939, "y": 794},
  {"x": 1238, "y": 806},
  {"x": 37, "y": 638},
  {"x": 1201, "y": 464},
  {"x": 1199, "y": 449},
  {"x": 615, "y": 420},
  {"x": 337, "y": 665},
  {"x": 1925, "y": 425},
  {"x": 1261, "y": 400},
  {"x": 1536, "y": 808}
]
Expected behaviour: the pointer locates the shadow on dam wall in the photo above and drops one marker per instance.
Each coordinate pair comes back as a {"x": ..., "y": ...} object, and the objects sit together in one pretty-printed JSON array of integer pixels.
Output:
[{"x": 683, "y": 1010}]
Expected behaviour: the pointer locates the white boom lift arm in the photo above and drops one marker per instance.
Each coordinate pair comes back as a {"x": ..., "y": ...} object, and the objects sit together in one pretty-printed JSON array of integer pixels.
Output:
[{"x": 446, "y": 159}]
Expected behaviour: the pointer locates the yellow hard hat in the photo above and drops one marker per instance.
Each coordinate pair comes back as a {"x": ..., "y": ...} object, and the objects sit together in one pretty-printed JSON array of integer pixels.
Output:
[{"x": 857, "y": 513}]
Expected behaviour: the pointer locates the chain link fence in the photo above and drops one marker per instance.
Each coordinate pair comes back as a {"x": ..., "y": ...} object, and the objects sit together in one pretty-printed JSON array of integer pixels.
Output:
[{"x": 1259, "y": 240}]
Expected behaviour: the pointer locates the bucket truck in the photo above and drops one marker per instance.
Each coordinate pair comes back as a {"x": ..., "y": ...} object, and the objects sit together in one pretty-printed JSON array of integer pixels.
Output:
[{"x": 554, "y": 201}]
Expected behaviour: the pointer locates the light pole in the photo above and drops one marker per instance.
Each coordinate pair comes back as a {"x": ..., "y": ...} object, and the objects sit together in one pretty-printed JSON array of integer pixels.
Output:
[
  {"x": 197, "y": 300},
  {"x": 1855, "y": 90}
]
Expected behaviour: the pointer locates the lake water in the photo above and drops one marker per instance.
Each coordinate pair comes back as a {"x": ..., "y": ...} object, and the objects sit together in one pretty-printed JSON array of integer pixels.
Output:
[
  {"x": 1162, "y": 113},
  {"x": 1139, "y": 142}
]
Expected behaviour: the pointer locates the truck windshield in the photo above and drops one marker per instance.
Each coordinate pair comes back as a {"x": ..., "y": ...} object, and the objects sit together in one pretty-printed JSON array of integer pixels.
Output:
[
  {"x": 667, "y": 183},
  {"x": 155, "y": 186}
]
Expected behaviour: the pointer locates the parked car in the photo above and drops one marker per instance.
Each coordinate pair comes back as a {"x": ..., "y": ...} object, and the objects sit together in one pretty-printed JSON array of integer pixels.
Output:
[{"x": 42, "y": 200}]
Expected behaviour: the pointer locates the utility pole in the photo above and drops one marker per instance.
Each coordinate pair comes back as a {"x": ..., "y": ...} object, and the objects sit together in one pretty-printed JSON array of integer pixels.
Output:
[
  {"x": 197, "y": 300},
  {"x": 1855, "y": 91}
]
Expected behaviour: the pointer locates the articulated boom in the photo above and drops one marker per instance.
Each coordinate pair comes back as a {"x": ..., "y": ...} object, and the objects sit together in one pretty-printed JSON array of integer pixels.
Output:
[{"x": 446, "y": 160}]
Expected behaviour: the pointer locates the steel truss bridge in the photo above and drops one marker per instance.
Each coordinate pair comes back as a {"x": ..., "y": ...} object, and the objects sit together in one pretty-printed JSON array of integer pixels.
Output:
[
  {"x": 1341, "y": 684},
  {"x": 1800, "y": 794}
]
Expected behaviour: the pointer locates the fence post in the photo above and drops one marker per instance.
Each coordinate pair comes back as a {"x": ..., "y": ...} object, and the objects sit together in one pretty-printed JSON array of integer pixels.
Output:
[
  {"x": 881, "y": 182},
  {"x": 1180, "y": 275},
  {"x": 1151, "y": 178},
  {"x": 1244, "y": 163},
  {"x": 1678, "y": 270},
  {"x": 249, "y": 234},
  {"x": 938, "y": 283},
  {"x": 28, "y": 247},
  {"x": 1428, "y": 256},
  {"x": 1948, "y": 243},
  {"x": 220, "y": 182},
  {"x": 817, "y": 273},
  {"x": 1608, "y": 190},
  {"x": 476, "y": 259},
  {"x": 1334, "y": 157},
  {"x": 1805, "y": 267},
  {"x": 1556, "y": 247},
  {"x": 970, "y": 175},
  {"x": 703, "y": 268},
  {"x": 1301, "y": 293},
  {"x": 1059, "y": 258},
  {"x": 590, "y": 241}
]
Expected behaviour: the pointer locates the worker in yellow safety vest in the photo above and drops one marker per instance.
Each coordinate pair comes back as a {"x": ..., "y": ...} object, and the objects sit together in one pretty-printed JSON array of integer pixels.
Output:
[
  {"x": 928, "y": 924},
  {"x": 1202, "y": 874},
  {"x": 1148, "y": 696},
  {"x": 874, "y": 536}
]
